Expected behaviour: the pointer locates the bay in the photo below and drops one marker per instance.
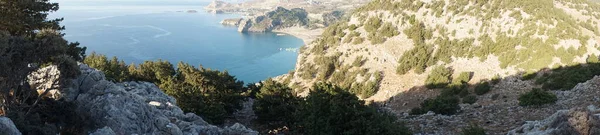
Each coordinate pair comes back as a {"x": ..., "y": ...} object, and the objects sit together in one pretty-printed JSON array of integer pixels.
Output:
[{"x": 136, "y": 33}]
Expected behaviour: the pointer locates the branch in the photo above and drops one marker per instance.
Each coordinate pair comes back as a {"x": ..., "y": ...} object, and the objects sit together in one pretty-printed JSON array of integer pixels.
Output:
[{"x": 41, "y": 95}]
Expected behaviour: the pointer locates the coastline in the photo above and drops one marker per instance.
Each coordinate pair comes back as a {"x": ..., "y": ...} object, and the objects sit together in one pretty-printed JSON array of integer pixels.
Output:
[{"x": 307, "y": 35}]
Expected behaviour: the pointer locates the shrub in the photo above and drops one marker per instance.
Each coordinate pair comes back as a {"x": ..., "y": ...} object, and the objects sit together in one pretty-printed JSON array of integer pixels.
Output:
[
  {"x": 473, "y": 130},
  {"x": 496, "y": 79},
  {"x": 388, "y": 30},
  {"x": 537, "y": 97},
  {"x": 593, "y": 59},
  {"x": 329, "y": 109},
  {"x": 529, "y": 76},
  {"x": 567, "y": 77},
  {"x": 358, "y": 40},
  {"x": 440, "y": 105},
  {"x": 482, "y": 88},
  {"x": 352, "y": 27},
  {"x": 359, "y": 61},
  {"x": 455, "y": 89},
  {"x": 439, "y": 77},
  {"x": 372, "y": 24},
  {"x": 470, "y": 99},
  {"x": 275, "y": 104},
  {"x": 463, "y": 77},
  {"x": 114, "y": 69}
]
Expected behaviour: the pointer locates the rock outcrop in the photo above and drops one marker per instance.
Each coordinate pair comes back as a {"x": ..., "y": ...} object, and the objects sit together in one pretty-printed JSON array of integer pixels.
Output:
[
  {"x": 279, "y": 18},
  {"x": 232, "y": 22},
  {"x": 577, "y": 121},
  {"x": 129, "y": 107},
  {"x": 258, "y": 24},
  {"x": 7, "y": 127},
  {"x": 219, "y": 7}
]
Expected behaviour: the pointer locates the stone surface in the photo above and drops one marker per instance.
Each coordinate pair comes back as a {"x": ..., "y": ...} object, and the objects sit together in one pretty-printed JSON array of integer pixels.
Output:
[
  {"x": 577, "y": 121},
  {"x": 129, "y": 107},
  {"x": 498, "y": 112},
  {"x": 103, "y": 131},
  {"x": 232, "y": 22},
  {"x": 46, "y": 78},
  {"x": 7, "y": 127}
]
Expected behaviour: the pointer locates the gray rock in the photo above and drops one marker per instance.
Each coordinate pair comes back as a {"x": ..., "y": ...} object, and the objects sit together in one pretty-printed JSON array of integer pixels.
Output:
[
  {"x": 232, "y": 22},
  {"x": 133, "y": 108},
  {"x": 46, "y": 79},
  {"x": 103, "y": 131},
  {"x": 7, "y": 127},
  {"x": 577, "y": 121}
]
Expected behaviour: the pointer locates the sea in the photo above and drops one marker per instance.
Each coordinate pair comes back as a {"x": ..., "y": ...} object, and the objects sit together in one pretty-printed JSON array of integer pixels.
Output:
[{"x": 138, "y": 31}]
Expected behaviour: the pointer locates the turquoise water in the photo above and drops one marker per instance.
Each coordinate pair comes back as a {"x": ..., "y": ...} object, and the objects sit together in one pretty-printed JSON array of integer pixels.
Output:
[{"x": 139, "y": 33}]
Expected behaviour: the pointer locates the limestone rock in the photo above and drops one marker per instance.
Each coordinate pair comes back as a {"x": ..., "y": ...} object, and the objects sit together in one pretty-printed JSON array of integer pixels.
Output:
[
  {"x": 7, "y": 127},
  {"x": 46, "y": 78},
  {"x": 232, "y": 22},
  {"x": 103, "y": 131},
  {"x": 129, "y": 107},
  {"x": 582, "y": 121}
]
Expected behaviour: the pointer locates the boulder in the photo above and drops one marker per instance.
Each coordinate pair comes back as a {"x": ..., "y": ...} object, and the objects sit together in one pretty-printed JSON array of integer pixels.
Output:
[
  {"x": 7, "y": 127},
  {"x": 577, "y": 121}
]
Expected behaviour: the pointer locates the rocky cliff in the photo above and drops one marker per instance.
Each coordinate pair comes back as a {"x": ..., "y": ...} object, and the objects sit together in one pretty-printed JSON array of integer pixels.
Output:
[
  {"x": 276, "y": 19},
  {"x": 126, "y": 108}
]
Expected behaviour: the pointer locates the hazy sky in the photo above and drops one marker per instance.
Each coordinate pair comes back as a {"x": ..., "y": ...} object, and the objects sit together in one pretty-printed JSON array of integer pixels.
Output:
[{"x": 128, "y": 2}]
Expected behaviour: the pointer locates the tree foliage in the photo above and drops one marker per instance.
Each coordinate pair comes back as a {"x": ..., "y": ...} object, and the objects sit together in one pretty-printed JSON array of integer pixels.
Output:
[
  {"x": 446, "y": 105},
  {"x": 482, "y": 88},
  {"x": 28, "y": 41},
  {"x": 24, "y": 17},
  {"x": 537, "y": 97},
  {"x": 440, "y": 77},
  {"x": 213, "y": 94},
  {"x": 275, "y": 104},
  {"x": 330, "y": 110}
]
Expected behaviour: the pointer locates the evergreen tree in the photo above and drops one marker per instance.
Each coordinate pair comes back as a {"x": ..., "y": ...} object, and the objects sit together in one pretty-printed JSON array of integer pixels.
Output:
[{"x": 275, "y": 104}]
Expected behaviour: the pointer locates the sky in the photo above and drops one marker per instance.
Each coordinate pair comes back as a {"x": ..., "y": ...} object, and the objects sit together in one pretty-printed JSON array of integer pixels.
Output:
[{"x": 128, "y": 2}]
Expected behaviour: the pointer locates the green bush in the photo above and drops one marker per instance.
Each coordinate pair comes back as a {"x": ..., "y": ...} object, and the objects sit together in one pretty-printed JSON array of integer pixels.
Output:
[
  {"x": 537, "y": 97},
  {"x": 566, "y": 78},
  {"x": 470, "y": 99},
  {"x": 529, "y": 75},
  {"x": 473, "y": 130},
  {"x": 212, "y": 94},
  {"x": 275, "y": 104},
  {"x": 446, "y": 105},
  {"x": 358, "y": 40},
  {"x": 455, "y": 89},
  {"x": 359, "y": 61},
  {"x": 372, "y": 24},
  {"x": 329, "y": 109},
  {"x": 482, "y": 88},
  {"x": 593, "y": 59},
  {"x": 440, "y": 77},
  {"x": 463, "y": 77},
  {"x": 496, "y": 79},
  {"x": 114, "y": 69}
]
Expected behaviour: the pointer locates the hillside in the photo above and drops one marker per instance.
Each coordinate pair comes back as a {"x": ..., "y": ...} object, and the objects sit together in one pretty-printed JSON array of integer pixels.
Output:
[
  {"x": 391, "y": 52},
  {"x": 403, "y": 40}
]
